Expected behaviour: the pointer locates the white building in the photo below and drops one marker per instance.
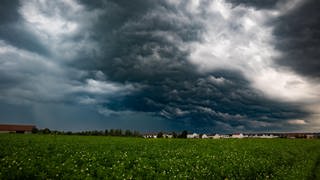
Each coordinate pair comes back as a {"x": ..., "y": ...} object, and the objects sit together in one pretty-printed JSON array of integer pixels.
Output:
[
  {"x": 269, "y": 136},
  {"x": 167, "y": 135},
  {"x": 194, "y": 135},
  {"x": 204, "y": 136},
  {"x": 150, "y": 136},
  {"x": 224, "y": 136},
  {"x": 240, "y": 135},
  {"x": 216, "y": 136}
]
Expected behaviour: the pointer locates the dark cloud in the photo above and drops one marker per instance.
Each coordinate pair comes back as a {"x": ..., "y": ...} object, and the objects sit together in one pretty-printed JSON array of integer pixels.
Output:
[
  {"x": 144, "y": 46},
  {"x": 136, "y": 46},
  {"x": 9, "y": 11},
  {"x": 17, "y": 35},
  {"x": 298, "y": 38},
  {"x": 207, "y": 101}
]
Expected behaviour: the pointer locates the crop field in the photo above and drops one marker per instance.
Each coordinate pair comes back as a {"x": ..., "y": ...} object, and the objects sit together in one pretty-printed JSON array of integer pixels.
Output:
[{"x": 99, "y": 157}]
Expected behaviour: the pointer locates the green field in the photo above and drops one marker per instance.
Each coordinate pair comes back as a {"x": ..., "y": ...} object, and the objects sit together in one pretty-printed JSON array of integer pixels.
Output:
[{"x": 89, "y": 157}]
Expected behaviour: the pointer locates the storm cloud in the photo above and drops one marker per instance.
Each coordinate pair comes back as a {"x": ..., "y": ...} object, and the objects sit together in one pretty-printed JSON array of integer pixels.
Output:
[
  {"x": 206, "y": 66},
  {"x": 299, "y": 39}
]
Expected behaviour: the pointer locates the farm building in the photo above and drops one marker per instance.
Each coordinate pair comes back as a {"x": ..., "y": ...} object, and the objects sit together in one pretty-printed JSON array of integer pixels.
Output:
[
  {"x": 204, "y": 136},
  {"x": 268, "y": 136},
  {"x": 167, "y": 135},
  {"x": 194, "y": 135},
  {"x": 150, "y": 135},
  {"x": 216, "y": 136},
  {"x": 15, "y": 128},
  {"x": 238, "y": 135},
  {"x": 225, "y": 136}
]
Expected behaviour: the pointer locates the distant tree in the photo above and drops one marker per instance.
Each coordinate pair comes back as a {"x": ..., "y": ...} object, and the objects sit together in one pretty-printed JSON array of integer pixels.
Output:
[
  {"x": 118, "y": 132},
  {"x": 183, "y": 134},
  {"x": 35, "y": 130},
  {"x": 136, "y": 134},
  {"x": 174, "y": 135},
  {"x": 112, "y": 132},
  {"x": 128, "y": 133},
  {"x": 100, "y": 133},
  {"x": 55, "y": 132},
  {"x": 160, "y": 135},
  {"x": 200, "y": 135},
  {"x": 46, "y": 131},
  {"x": 95, "y": 133}
]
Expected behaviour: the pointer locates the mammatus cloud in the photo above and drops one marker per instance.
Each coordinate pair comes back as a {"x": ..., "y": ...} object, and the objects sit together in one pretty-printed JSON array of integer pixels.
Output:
[{"x": 196, "y": 65}]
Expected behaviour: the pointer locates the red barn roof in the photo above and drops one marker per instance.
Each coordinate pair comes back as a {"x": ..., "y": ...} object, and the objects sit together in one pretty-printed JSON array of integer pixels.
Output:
[{"x": 16, "y": 127}]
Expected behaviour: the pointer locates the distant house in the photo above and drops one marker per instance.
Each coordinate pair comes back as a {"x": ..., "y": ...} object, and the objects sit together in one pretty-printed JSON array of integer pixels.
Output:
[
  {"x": 310, "y": 136},
  {"x": 16, "y": 128},
  {"x": 216, "y": 136},
  {"x": 224, "y": 136},
  {"x": 268, "y": 136},
  {"x": 204, "y": 136},
  {"x": 150, "y": 135},
  {"x": 298, "y": 135},
  {"x": 167, "y": 135},
  {"x": 239, "y": 135},
  {"x": 194, "y": 135}
]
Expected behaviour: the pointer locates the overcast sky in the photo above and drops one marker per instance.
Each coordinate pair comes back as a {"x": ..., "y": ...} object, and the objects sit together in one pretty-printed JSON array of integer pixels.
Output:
[{"x": 201, "y": 65}]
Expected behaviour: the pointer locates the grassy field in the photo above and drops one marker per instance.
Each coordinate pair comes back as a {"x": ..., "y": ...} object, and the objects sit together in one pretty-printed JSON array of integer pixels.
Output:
[{"x": 83, "y": 157}]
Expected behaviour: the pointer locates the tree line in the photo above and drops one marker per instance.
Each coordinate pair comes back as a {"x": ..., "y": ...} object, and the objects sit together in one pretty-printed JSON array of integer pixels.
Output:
[
  {"x": 183, "y": 134},
  {"x": 107, "y": 132}
]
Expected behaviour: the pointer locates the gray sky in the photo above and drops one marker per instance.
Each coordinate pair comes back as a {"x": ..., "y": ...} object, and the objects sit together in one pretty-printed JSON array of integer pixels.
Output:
[{"x": 149, "y": 65}]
